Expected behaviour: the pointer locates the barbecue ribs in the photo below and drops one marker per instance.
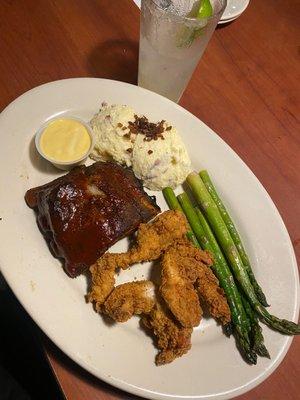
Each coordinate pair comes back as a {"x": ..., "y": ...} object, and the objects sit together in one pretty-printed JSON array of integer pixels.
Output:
[{"x": 87, "y": 210}]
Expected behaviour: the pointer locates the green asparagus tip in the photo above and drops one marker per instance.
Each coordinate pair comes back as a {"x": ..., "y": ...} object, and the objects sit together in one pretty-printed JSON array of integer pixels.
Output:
[
  {"x": 243, "y": 344},
  {"x": 262, "y": 351},
  {"x": 280, "y": 325},
  {"x": 261, "y": 297},
  {"x": 245, "y": 349},
  {"x": 251, "y": 357}
]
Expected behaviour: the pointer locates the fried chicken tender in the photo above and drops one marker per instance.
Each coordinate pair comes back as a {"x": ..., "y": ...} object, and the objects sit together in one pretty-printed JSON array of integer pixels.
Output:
[
  {"x": 186, "y": 271},
  {"x": 178, "y": 291},
  {"x": 153, "y": 239},
  {"x": 130, "y": 299},
  {"x": 173, "y": 340},
  {"x": 214, "y": 296},
  {"x": 186, "y": 277},
  {"x": 103, "y": 280}
]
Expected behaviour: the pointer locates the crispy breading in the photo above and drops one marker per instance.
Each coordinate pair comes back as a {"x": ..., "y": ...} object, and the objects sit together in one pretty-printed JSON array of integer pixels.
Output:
[
  {"x": 186, "y": 271},
  {"x": 173, "y": 340},
  {"x": 103, "y": 280},
  {"x": 186, "y": 276},
  {"x": 130, "y": 299},
  {"x": 214, "y": 296},
  {"x": 152, "y": 239},
  {"x": 178, "y": 291}
]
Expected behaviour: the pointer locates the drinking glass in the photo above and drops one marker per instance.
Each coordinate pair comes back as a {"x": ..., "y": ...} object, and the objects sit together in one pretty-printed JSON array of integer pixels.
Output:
[{"x": 172, "y": 40}]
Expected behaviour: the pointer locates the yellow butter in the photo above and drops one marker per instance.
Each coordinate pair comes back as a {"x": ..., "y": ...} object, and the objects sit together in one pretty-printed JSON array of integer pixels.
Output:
[{"x": 65, "y": 140}]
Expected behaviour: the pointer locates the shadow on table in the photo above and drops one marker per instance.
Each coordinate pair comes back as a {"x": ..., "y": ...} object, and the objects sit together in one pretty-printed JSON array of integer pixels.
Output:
[
  {"x": 115, "y": 59},
  {"x": 24, "y": 371},
  {"x": 222, "y": 26},
  {"x": 81, "y": 374}
]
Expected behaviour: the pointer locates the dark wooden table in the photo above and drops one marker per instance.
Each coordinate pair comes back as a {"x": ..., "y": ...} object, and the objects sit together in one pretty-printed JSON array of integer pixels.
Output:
[{"x": 246, "y": 88}]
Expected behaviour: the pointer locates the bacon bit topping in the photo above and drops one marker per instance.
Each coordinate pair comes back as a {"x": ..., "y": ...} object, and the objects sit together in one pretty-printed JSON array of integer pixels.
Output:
[
  {"x": 151, "y": 130},
  {"x": 150, "y": 151}
]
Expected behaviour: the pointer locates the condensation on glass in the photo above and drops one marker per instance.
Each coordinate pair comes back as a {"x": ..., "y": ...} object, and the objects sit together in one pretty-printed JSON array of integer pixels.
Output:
[{"x": 172, "y": 42}]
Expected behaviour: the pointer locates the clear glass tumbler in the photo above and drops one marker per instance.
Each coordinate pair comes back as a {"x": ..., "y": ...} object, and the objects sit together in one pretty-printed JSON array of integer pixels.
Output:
[{"x": 173, "y": 37}]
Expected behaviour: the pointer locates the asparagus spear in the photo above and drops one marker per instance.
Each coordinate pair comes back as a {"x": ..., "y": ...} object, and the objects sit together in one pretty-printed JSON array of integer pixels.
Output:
[
  {"x": 221, "y": 270},
  {"x": 222, "y": 234},
  {"x": 256, "y": 331},
  {"x": 173, "y": 204},
  {"x": 171, "y": 199},
  {"x": 234, "y": 295},
  {"x": 235, "y": 236}
]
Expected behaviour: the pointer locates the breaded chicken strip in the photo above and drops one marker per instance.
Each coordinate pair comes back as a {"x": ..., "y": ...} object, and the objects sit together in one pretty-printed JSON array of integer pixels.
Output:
[
  {"x": 210, "y": 292},
  {"x": 178, "y": 291},
  {"x": 130, "y": 299},
  {"x": 156, "y": 236},
  {"x": 172, "y": 339},
  {"x": 186, "y": 271},
  {"x": 152, "y": 240},
  {"x": 138, "y": 298},
  {"x": 103, "y": 280}
]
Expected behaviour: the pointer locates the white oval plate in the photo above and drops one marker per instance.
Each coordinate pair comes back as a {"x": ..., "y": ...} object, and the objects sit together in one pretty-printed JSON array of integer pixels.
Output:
[
  {"x": 121, "y": 354},
  {"x": 226, "y": 21},
  {"x": 234, "y": 9}
]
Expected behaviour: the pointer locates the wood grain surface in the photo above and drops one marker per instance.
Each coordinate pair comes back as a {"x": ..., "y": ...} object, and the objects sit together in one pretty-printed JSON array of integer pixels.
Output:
[{"x": 246, "y": 88}]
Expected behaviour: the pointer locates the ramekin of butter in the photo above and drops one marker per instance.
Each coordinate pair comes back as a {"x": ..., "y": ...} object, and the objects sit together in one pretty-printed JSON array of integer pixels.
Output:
[{"x": 64, "y": 141}]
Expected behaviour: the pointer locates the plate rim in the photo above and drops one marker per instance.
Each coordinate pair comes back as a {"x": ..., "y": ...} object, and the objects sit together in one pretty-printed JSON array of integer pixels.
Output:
[
  {"x": 236, "y": 14},
  {"x": 127, "y": 387}
]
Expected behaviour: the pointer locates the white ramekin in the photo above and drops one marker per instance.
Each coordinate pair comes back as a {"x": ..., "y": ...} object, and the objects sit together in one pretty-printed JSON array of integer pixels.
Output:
[{"x": 67, "y": 165}]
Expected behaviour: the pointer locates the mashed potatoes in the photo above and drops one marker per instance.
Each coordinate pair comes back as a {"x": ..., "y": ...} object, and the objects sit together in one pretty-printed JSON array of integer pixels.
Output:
[
  {"x": 162, "y": 162},
  {"x": 155, "y": 151},
  {"x": 112, "y": 135}
]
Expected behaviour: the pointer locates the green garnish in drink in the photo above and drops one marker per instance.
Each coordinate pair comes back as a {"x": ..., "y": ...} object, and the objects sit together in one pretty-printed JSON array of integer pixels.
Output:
[
  {"x": 205, "y": 10},
  {"x": 189, "y": 34}
]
